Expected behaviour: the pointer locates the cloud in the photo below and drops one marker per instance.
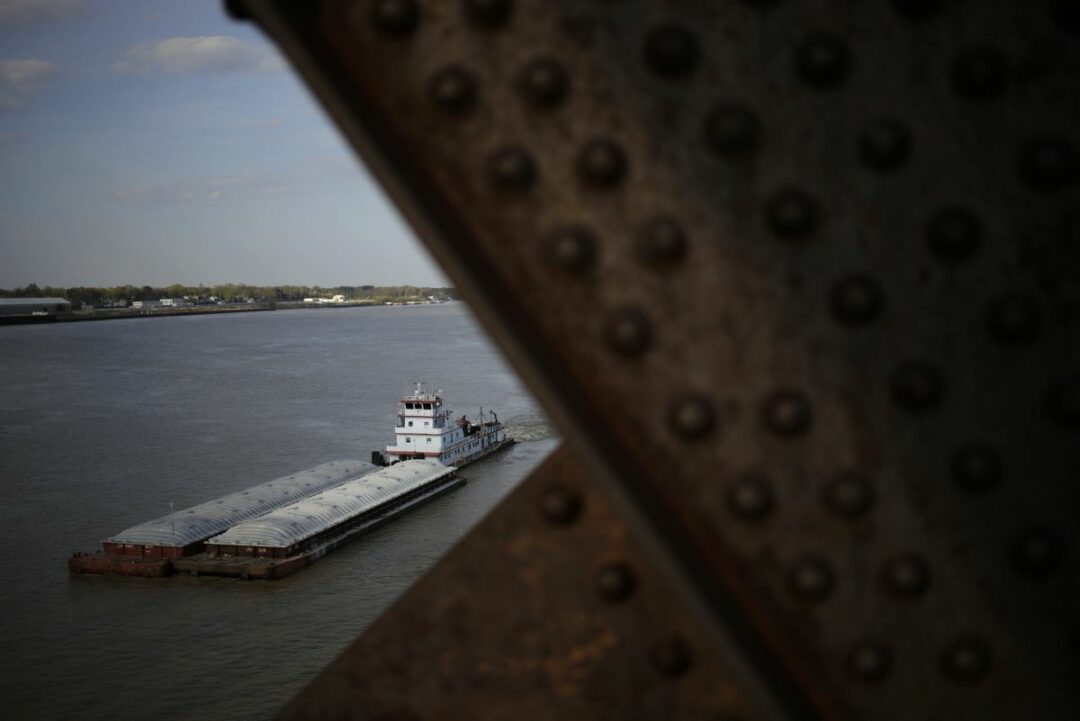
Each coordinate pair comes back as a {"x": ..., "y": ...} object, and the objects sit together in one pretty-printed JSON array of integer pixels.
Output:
[
  {"x": 19, "y": 12},
  {"x": 209, "y": 189},
  {"x": 206, "y": 54},
  {"x": 24, "y": 72},
  {"x": 20, "y": 77},
  {"x": 295, "y": 178}
]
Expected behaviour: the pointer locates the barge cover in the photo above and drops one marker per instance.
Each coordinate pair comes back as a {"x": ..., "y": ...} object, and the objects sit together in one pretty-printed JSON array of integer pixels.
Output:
[
  {"x": 192, "y": 525},
  {"x": 290, "y": 526}
]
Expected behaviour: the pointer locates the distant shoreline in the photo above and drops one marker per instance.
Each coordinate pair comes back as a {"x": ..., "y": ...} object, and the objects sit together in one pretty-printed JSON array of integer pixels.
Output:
[
  {"x": 121, "y": 313},
  {"x": 97, "y": 314}
]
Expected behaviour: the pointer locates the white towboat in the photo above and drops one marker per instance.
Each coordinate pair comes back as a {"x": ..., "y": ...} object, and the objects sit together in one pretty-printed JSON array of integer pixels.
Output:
[{"x": 425, "y": 429}]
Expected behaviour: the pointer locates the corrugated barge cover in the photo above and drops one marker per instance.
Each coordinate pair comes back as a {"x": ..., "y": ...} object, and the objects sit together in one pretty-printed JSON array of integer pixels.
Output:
[
  {"x": 198, "y": 523},
  {"x": 313, "y": 515}
]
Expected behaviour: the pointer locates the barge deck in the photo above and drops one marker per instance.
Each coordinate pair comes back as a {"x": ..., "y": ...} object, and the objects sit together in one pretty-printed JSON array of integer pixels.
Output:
[
  {"x": 253, "y": 567},
  {"x": 149, "y": 548},
  {"x": 289, "y": 539}
]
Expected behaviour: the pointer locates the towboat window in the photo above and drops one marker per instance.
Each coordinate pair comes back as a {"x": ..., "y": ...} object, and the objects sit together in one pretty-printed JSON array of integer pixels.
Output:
[
  {"x": 410, "y": 423},
  {"x": 407, "y": 439},
  {"x": 427, "y": 406},
  {"x": 409, "y": 406},
  {"x": 429, "y": 440}
]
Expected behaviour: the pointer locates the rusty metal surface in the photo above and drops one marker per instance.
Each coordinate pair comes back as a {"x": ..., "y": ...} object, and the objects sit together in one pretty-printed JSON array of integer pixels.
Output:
[
  {"x": 799, "y": 280},
  {"x": 566, "y": 617}
]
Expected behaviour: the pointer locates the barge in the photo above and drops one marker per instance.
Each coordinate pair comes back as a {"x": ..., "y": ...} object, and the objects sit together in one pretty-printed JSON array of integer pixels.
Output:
[
  {"x": 151, "y": 548},
  {"x": 288, "y": 539},
  {"x": 427, "y": 429},
  {"x": 271, "y": 530}
]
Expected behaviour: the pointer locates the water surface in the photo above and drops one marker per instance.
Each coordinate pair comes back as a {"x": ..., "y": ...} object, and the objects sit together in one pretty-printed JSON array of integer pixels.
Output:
[{"x": 104, "y": 424}]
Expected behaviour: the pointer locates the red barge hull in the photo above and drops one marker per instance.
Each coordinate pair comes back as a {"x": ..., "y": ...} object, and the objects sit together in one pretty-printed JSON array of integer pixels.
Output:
[{"x": 121, "y": 565}]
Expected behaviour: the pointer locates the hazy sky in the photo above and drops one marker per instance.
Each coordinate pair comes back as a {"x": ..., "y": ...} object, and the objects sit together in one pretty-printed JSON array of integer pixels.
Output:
[{"x": 157, "y": 141}]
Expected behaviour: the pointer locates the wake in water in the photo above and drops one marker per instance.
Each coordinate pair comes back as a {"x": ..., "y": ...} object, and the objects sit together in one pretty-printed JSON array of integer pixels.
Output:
[{"x": 529, "y": 428}]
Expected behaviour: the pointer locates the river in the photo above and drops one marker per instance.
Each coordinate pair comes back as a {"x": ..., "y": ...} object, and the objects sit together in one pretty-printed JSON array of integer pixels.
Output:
[{"x": 105, "y": 424}]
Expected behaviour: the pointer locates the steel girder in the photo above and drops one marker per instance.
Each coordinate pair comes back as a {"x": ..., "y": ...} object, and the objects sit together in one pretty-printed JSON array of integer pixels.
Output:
[{"x": 799, "y": 284}]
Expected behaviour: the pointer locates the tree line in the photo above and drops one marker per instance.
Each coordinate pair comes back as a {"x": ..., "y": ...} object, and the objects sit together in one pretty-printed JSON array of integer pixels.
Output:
[{"x": 229, "y": 293}]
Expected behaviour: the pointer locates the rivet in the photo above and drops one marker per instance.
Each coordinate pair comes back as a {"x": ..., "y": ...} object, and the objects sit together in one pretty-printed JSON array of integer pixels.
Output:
[
  {"x": 856, "y": 299},
  {"x": 661, "y": 242},
  {"x": 671, "y": 50},
  {"x": 870, "y": 661},
  {"x": 1037, "y": 553},
  {"x": 488, "y": 13},
  {"x": 544, "y": 83},
  {"x": 1048, "y": 164},
  {"x": 916, "y": 386},
  {"x": 615, "y": 582},
  {"x": 849, "y": 495},
  {"x": 967, "y": 660},
  {"x": 953, "y": 233},
  {"x": 672, "y": 657},
  {"x": 791, "y": 213},
  {"x": 396, "y": 18},
  {"x": 602, "y": 163},
  {"x": 810, "y": 579},
  {"x": 1062, "y": 402},
  {"x": 786, "y": 412},
  {"x": 1014, "y": 317},
  {"x": 979, "y": 73},
  {"x": 453, "y": 89},
  {"x": 628, "y": 332},
  {"x": 572, "y": 249},
  {"x": 692, "y": 416},
  {"x": 823, "y": 60},
  {"x": 905, "y": 575},
  {"x": 884, "y": 144},
  {"x": 976, "y": 467},
  {"x": 917, "y": 9},
  {"x": 512, "y": 169},
  {"x": 560, "y": 506},
  {"x": 732, "y": 130},
  {"x": 750, "y": 497}
]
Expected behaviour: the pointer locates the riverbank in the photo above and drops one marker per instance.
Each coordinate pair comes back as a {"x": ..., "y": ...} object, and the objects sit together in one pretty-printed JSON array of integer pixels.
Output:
[
  {"x": 120, "y": 313},
  {"x": 159, "y": 312}
]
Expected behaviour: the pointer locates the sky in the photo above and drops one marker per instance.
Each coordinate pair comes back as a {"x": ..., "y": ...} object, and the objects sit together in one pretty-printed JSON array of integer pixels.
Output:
[{"x": 153, "y": 142}]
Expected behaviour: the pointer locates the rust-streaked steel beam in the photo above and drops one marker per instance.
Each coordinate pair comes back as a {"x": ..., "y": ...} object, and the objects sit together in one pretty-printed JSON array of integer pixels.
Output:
[
  {"x": 798, "y": 281},
  {"x": 552, "y": 608}
]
